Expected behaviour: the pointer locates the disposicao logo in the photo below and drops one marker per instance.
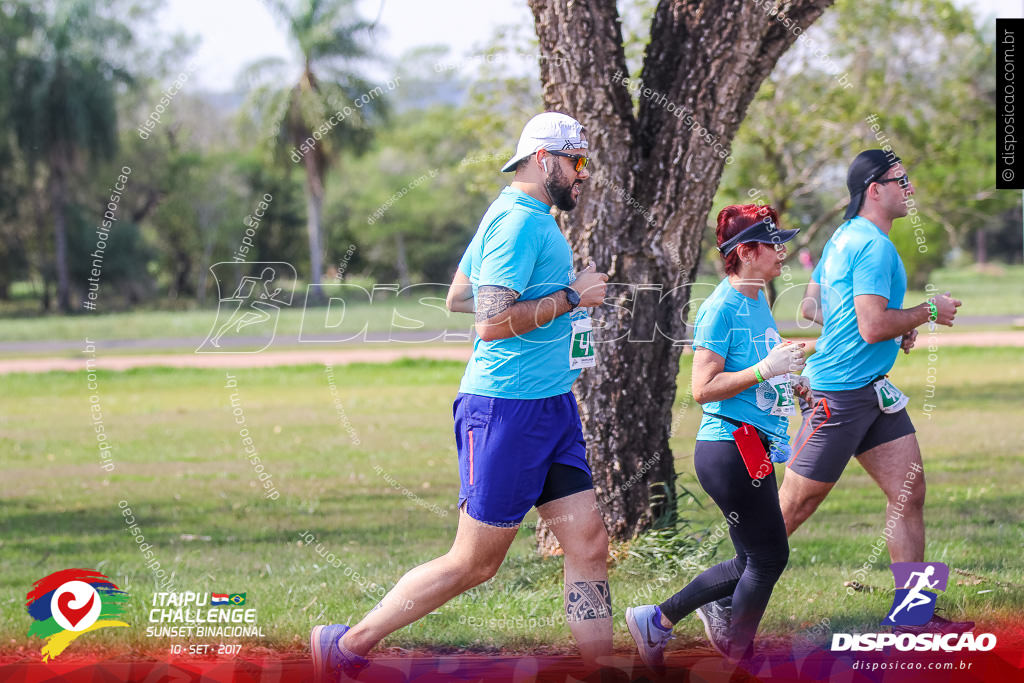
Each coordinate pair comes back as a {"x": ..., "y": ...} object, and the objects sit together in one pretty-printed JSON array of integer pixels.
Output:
[
  {"x": 914, "y": 605},
  {"x": 68, "y": 603}
]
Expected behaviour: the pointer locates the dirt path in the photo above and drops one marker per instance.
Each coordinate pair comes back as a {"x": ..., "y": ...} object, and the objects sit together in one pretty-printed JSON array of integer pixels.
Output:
[
  {"x": 343, "y": 356},
  {"x": 263, "y": 359}
]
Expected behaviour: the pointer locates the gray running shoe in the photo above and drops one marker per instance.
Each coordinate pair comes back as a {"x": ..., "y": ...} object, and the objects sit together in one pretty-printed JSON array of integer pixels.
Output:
[{"x": 717, "y": 618}]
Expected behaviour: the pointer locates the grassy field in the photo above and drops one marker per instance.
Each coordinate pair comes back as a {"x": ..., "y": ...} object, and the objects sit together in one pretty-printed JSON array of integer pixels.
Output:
[
  {"x": 373, "y": 476},
  {"x": 985, "y": 290},
  {"x": 992, "y": 291}
]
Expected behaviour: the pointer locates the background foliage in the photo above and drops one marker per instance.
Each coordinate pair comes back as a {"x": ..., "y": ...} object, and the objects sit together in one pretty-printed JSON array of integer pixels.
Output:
[{"x": 406, "y": 182}]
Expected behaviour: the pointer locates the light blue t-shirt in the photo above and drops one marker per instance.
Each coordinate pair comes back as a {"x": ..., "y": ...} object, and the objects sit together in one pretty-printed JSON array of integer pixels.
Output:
[
  {"x": 519, "y": 246},
  {"x": 858, "y": 259},
  {"x": 742, "y": 331}
]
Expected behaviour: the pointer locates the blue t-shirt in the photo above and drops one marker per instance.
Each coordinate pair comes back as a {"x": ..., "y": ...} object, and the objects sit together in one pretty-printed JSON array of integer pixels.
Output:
[
  {"x": 519, "y": 246},
  {"x": 858, "y": 259},
  {"x": 742, "y": 331}
]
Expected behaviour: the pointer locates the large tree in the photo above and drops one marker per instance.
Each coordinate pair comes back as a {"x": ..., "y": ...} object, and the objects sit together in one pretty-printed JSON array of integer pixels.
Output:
[{"x": 702, "y": 66}]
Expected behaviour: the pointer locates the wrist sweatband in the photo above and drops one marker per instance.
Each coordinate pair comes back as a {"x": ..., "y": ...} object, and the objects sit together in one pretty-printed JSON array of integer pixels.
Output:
[
  {"x": 934, "y": 311},
  {"x": 757, "y": 374}
]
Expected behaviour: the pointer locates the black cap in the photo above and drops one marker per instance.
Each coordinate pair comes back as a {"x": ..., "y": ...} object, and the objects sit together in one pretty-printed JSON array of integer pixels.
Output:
[
  {"x": 867, "y": 167},
  {"x": 762, "y": 231}
]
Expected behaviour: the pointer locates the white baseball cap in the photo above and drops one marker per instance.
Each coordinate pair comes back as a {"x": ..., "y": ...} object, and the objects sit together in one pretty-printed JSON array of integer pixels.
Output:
[{"x": 550, "y": 130}]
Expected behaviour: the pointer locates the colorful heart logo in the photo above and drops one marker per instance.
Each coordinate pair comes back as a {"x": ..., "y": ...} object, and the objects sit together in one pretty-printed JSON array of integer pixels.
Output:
[
  {"x": 70, "y": 602},
  {"x": 75, "y": 605},
  {"x": 73, "y": 615}
]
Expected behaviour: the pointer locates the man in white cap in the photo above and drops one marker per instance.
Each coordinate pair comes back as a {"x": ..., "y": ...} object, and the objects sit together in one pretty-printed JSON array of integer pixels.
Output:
[{"x": 517, "y": 429}]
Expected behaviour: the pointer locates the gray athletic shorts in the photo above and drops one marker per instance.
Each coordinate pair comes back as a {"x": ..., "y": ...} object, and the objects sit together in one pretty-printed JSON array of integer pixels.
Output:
[{"x": 842, "y": 424}]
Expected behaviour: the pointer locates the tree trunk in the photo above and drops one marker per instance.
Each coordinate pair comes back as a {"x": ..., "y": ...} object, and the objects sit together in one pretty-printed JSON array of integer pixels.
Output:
[
  {"x": 204, "y": 266},
  {"x": 401, "y": 262},
  {"x": 980, "y": 250},
  {"x": 314, "y": 210},
  {"x": 59, "y": 199},
  {"x": 182, "y": 271},
  {"x": 642, "y": 214},
  {"x": 45, "y": 302}
]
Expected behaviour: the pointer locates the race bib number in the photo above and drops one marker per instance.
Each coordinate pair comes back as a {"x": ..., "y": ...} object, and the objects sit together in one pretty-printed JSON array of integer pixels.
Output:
[
  {"x": 890, "y": 399},
  {"x": 783, "y": 405},
  {"x": 581, "y": 344}
]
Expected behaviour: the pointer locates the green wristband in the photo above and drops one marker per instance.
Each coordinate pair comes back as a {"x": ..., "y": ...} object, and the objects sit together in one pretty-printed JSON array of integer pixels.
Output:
[
  {"x": 757, "y": 374},
  {"x": 934, "y": 311}
]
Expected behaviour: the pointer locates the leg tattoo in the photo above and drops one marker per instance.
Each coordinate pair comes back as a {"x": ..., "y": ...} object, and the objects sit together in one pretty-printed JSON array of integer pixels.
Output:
[{"x": 587, "y": 600}]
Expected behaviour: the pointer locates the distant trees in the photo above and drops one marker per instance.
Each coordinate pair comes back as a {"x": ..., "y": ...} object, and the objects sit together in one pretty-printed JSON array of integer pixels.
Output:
[
  {"x": 16, "y": 235},
  {"x": 400, "y": 195},
  {"x": 63, "y": 109},
  {"x": 330, "y": 107},
  {"x": 412, "y": 202},
  {"x": 923, "y": 72}
]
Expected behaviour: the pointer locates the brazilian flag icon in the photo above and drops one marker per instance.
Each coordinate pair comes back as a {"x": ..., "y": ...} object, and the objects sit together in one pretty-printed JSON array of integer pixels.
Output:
[{"x": 237, "y": 598}]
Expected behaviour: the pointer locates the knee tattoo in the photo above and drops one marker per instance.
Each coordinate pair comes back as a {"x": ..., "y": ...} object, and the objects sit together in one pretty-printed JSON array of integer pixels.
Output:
[{"x": 587, "y": 600}]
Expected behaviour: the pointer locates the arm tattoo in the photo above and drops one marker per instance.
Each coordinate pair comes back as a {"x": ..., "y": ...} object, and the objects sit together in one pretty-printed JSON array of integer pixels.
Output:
[
  {"x": 492, "y": 300},
  {"x": 587, "y": 600}
]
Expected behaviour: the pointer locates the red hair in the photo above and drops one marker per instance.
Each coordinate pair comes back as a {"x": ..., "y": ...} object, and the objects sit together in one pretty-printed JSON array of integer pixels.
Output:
[{"x": 732, "y": 220}]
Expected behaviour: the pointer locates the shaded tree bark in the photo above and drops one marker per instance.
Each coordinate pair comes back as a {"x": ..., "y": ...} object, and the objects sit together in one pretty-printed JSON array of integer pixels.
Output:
[
  {"x": 181, "y": 284},
  {"x": 642, "y": 215},
  {"x": 59, "y": 201}
]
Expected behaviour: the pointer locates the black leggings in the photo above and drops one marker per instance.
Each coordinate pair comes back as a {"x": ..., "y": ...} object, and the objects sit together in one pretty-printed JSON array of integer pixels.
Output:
[{"x": 758, "y": 533}]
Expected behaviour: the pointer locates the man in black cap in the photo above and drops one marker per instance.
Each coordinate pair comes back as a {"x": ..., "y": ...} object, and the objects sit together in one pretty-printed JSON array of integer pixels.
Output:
[{"x": 856, "y": 294}]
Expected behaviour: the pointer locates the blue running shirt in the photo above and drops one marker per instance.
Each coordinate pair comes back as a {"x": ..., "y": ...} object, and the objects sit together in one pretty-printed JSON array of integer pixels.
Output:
[
  {"x": 742, "y": 331},
  {"x": 858, "y": 259},
  {"x": 519, "y": 246}
]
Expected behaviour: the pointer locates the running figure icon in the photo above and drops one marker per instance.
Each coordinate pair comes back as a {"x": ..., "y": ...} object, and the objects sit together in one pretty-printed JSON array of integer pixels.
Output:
[
  {"x": 915, "y": 597},
  {"x": 260, "y": 304}
]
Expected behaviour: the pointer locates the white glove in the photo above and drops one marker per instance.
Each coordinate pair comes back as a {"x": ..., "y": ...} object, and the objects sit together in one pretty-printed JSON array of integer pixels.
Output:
[
  {"x": 783, "y": 358},
  {"x": 805, "y": 388}
]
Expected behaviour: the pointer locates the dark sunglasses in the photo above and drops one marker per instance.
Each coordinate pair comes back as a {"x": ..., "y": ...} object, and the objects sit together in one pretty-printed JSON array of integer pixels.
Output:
[
  {"x": 581, "y": 161},
  {"x": 901, "y": 179}
]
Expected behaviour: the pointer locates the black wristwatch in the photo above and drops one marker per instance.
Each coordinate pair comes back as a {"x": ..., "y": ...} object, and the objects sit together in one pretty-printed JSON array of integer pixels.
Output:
[{"x": 573, "y": 297}]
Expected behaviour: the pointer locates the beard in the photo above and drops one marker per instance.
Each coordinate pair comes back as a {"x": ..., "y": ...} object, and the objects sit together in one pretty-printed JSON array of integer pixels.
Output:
[{"x": 560, "y": 190}]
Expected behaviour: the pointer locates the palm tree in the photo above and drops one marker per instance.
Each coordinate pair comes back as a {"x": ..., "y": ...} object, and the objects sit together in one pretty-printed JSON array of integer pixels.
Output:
[
  {"x": 65, "y": 110},
  {"x": 329, "y": 36}
]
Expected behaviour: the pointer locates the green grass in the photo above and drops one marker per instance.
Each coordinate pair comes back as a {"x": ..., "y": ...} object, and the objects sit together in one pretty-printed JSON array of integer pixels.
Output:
[
  {"x": 180, "y": 467},
  {"x": 992, "y": 289}
]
